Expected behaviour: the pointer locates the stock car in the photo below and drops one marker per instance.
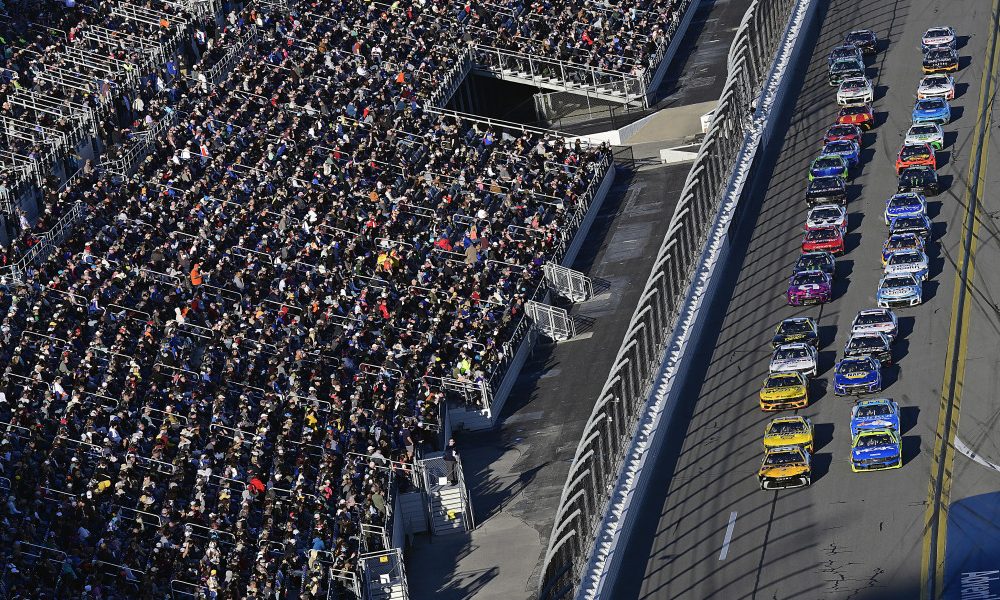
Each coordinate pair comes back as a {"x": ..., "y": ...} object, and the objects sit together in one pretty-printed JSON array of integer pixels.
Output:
[
  {"x": 876, "y": 320},
  {"x": 809, "y": 287},
  {"x": 937, "y": 37},
  {"x": 919, "y": 179},
  {"x": 938, "y": 85},
  {"x": 899, "y": 290},
  {"x": 854, "y": 91},
  {"x": 913, "y": 262},
  {"x": 784, "y": 391},
  {"x": 827, "y": 215},
  {"x": 914, "y": 156},
  {"x": 796, "y": 329},
  {"x": 784, "y": 467},
  {"x": 794, "y": 430},
  {"x": 857, "y": 376},
  {"x": 916, "y": 224},
  {"x": 849, "y": 151},
  {"x": 907, "y": 204},
  {"x": 797, "y": 357},
  {"x": 875, "y": 345},
  {"x": 877, "y": 413},
  {"x": 844, "y": 52},
  {"x": 826, "y": 190},
  {"x": 825, "y": 239},
  {"x": 925, "y": 133},
  {"x": 861, "y": 115},
  {"x": 939, "y": 60},
  {"x": 900, "y": 241},
  {"x": 864, "y": 40},
  {"x": 845, "y": 68},
  {"x": 816, "y": 261},
  {"x": 828, "y": 165},
  {"x": 931, "y": 110},
  {"x": 876, "y": 450},
  {"x": 845, "y": 132}
]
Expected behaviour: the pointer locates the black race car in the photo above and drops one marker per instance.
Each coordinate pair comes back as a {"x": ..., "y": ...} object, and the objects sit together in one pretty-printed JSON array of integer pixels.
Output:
[
  {"x": 863, "y": 39},
  {"x": 940, "y": 60},
  {"x": 816, "y": 261},
  {"x": 796, "y": 329},
  {"x": 876, "y": 345},
  {"x": 845, "y": 68},
  {"x": 922, "y": 179},
  {"x": 826, "y": 190}
]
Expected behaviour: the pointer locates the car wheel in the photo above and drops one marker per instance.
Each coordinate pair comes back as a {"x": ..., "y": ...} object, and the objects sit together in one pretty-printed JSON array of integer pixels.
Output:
[{"x": 808, "y": 481}]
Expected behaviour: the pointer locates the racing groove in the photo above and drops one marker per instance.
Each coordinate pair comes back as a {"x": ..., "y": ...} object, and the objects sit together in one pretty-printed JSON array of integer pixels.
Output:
[{"x": 848, "y": 535}]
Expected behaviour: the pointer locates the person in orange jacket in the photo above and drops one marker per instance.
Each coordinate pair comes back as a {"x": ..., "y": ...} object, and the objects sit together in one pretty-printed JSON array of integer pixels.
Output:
[{"x": 196, "y": 278}]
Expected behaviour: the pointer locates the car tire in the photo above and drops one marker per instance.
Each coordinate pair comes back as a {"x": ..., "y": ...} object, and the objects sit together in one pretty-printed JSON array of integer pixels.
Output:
[{"x": 808, "y": 481}]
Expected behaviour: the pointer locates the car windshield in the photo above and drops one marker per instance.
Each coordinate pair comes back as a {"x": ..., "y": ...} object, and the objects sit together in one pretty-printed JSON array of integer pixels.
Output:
[
  {"x": 838, "y": 130},
  {"x": 810, "y": 263},
  {"x": 909, "y": 223},
  {"x": 808, "y": 277},
  {"x": 872, "y": 441},
  {"x": 825, "y": 184},
  {"x": 790, "y": 353},
  {"x": 852, "y": 85},
  {"x": 923, "y": 130},
  {"x": 905, "y": 258},
  {"x": 821, "y": 235},
  {"x": 930, "y": 104},
  {"x": 935, "y": 81},
  {"x": 916, "y": 175},
  {"x": 898, "y": 281},
  {"x": 939, "y": 54},
  {"x": 781, "y": 381},
  {"x": 827, "y": 162},
  {"x": 794, "y": 326},
  {"x": 827, "y": 212},
  {"x": 855, "y": 366},
  {"x": 854, "y": 110},
  {"x": 836, "y": 147},
  {"x": 900, "y": 243},
  {"x": 871, "y": 319},
  {"x": 914, "y": 153},
  {"x": 843, "y": 52},
  {"x": 873, "y": 410},
  {"x": 782, "y": 458},
  {"x": 786, "y": 428},
  {"x": 937, "y": 32},
  {"x": 904, "y": 202},
  {"x": 859, "y": 36},
  {"x": 845, "y": 66},
  {"x": 865, "y": 342}
]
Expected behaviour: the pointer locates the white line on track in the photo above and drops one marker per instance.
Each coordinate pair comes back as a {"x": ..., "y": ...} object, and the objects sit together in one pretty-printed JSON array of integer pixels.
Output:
[
  {"x": 729, "y": 536},
  {"x": 962, "y": 448}
]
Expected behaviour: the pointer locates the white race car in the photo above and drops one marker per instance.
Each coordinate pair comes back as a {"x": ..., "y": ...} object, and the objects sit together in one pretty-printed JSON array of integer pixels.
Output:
[
  {"x": 937, "y": 85},
  {"x": 795, "y": 358},
  {"x": 854, "y": 91},
  {"x": 827, "y": 215},
  {"x": 875, "y": 320},
  {"x": 935, "y": 37},
  {"x": 913, "y": 262},
  {"x": 925, "y": 133}
]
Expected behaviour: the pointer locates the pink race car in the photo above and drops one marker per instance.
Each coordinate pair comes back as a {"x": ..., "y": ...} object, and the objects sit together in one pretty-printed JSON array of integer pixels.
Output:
[{"x": 809, "y": 287}]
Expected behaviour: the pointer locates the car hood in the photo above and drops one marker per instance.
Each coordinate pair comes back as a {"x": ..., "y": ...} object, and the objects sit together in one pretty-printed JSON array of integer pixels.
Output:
[
  {"x": 809, "y": 287},
  {"x": 879, "y": 422},
  {"x": 904, "y": 211},
  {"x": 787, "y": 338},
  {"x": 886, "y": 451},
  {"x": 856, "y": 378},
  {"x": 790, "y": 439},
  {"x": 907, "y": 268},
  {"x": 791, "y": 363},
  {"x": 898, "y": 292},
  {"x": 782, "y": 393},
  {"x": 785, "y": 470},
  {"x": 929, "y": 111}
]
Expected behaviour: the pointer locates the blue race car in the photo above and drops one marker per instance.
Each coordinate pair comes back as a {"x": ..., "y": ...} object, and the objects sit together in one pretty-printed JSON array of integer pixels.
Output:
[
  {"x": 907, "y": 204},
  {"x": 847, "y": 150},
  {"x": 828, "y": 165},
  {"x": 879, "y": 413},
  {"x": 857, "y": 376},
  {"x": 931, "y": 110},
  {"x": 876, "y": 450}
]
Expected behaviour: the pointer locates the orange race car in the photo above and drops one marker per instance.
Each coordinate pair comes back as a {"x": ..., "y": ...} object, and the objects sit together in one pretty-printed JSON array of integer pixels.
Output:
[
  {"x": 912, "y": 155},
  {"x": 860, "y": 115}
]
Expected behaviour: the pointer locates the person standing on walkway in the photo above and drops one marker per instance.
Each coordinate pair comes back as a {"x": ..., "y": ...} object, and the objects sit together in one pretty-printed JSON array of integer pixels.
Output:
[{"x": 451, "y": 461}]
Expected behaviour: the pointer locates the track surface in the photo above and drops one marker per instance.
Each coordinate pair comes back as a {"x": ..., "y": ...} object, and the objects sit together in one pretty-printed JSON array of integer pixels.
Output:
[{"x": 851, "y": 536}]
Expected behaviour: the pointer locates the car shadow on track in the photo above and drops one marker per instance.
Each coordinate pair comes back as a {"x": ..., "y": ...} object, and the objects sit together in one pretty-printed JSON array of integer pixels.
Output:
[
  {"x": 930, "y": 289},
  {"x": 911, "y": 448},
  {"x": 933, "y": 210},
  {"x": 821, "y": 465},
  {"x": 908, "y": 418},
  {"x": 961, "y": 41},
  {"x": 942, "y": 157},
  {"x": 827, "y": 335},
  {"x": 890, "y": 375},
  {"x": 956, "y": 113},
  {"x": 960, "y": 89},
  {"x": 944, "y": 182},
  {"x": 950, "y": 137},
  {"x": 822, "y": 435},
  {"x": 852, "y": 241},
  {"x": 963, "y": 62},
  {"x": 880, "y": 118},
  {"x": 827, "y": 359},
  {"x": 880, "y": 91}
]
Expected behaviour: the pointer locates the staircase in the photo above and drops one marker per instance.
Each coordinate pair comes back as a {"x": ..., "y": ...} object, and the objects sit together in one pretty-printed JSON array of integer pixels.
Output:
[
  {"x": 385, "y": 575},
  {"x": 446, "y": 503},
  {"x": 411, "y": 510}
]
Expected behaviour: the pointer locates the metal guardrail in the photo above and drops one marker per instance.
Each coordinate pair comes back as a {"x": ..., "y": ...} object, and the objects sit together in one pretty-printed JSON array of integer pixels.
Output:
[{"x": 610, "y": 428}]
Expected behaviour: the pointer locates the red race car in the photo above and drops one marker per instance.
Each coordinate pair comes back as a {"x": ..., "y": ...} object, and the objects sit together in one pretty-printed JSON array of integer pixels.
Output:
[
  {"x": 838, "y": 132},
  {"x": 828, "y": 239},
  {"x": 912, "y": 155},
  {"x": 860, "y": 115}
]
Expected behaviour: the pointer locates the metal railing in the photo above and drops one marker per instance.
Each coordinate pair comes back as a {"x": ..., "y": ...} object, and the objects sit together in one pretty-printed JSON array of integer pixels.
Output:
[
  {"x": 609, "y": 430},
  {"x": 17, "y": 272}
]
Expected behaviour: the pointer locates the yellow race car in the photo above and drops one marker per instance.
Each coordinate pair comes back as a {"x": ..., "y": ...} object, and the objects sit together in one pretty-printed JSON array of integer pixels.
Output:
[
  {"x": 785, "y": 467},
  {"x": 789, "y": 431},
  {"x": 784, "y": 391}
]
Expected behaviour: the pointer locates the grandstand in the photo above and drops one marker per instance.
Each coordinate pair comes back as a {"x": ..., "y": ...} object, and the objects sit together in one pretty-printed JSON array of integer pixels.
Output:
[{"x": 250, "y": 257}]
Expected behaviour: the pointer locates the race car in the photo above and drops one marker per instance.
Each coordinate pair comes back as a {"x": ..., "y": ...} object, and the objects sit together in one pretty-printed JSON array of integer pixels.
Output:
[
  {"x": 877, "y": 413},
  {"x": 796, "y": 329},
  {"x": 900, "y": 241},
  {"x": 827, "y": 239},
  {"x": 809, "y": 287},
  {"x": 915, "y": 155},
  {"x": 797, "y": 357},
  {"x": 875, "y": 320},
  {"x": 919, "y": 179},
  {"x": 939, "y": 60},
  {"x": 784, "y": 467},
  {"x": 827, "y": 215},
  {"x": 917, "y": 224},
  {"x": 854, "y": 91},
  {"x": 864, "y": 40},
  {"x": 845, "y": 52},
  {"x": 862, "y": 116},
  {"x": 849, "y": 151},
  {"x": 828, "y": 165},
  {"x": 857, "y": 376},
  {"x": 899, "y": 290},
  {"x": 938, "y": 85},
  {"x": 937, "y": 37},
  {"x": 876, "y": 450},
  {"x": 931, "y": 110},
  {"x": 826, "y": 190},
  {"x": 847, "y": 133},
  {"x": 816, "y": 261},
  {"x": 925, "y": 133},
  {"x": 784, "y": 391},
  {"x": 913, "y": 262},
  {"x": 907, "y": 204},
  {"x": 793, "y": 430},
  {"x": 875, "y": 345},
  {"x": 845, "y": 68}
]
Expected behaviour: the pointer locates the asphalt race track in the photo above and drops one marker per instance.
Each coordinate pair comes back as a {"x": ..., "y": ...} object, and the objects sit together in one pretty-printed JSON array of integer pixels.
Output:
[{"x": 932, "y": 528}]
